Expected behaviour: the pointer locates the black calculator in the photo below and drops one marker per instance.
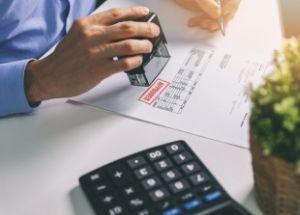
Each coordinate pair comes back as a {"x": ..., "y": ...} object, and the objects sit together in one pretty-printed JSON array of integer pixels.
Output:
[{"x": 165, "y": 180}]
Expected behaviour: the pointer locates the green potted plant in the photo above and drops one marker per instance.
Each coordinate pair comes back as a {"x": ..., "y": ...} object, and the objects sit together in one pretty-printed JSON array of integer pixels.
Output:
[{"x": 275, "y": 134}]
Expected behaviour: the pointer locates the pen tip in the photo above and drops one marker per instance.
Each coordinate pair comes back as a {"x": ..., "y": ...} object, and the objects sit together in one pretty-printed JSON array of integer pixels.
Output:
[{"x": 223, "y": 32}]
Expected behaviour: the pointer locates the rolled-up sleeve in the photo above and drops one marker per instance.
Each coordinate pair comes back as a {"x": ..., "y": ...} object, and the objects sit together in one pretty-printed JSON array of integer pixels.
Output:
[{"x": 13, "y": 98}]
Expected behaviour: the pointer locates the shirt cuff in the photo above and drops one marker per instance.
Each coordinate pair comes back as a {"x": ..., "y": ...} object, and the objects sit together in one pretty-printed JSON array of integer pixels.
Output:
[{"x": 13, "y": 99}]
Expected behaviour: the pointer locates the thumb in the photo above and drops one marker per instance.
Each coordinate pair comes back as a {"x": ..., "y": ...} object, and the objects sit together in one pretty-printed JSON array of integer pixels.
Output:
[{"x": 210, "y": 7}]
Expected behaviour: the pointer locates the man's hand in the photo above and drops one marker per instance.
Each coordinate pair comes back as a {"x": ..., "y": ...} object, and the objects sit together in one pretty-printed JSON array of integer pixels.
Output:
[
  {"x": 209, "y": 12},
  {"x": 85, "y": 56}
]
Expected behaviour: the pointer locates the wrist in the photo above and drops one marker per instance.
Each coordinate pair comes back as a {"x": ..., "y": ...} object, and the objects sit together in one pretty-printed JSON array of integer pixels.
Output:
[{"x": 32, "y": 86}]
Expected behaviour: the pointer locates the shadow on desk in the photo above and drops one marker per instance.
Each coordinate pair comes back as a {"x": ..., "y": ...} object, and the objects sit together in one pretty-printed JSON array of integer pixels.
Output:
[{"x": 79, "y": 202}]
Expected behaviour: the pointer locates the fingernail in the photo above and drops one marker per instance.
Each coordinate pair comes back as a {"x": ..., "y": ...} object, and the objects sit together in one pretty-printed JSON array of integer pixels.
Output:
[{"x": 145, "y": 10}]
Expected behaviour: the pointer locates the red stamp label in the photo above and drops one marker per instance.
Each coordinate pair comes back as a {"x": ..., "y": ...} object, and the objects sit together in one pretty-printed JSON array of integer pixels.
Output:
[{"x": 154, "y": 91}]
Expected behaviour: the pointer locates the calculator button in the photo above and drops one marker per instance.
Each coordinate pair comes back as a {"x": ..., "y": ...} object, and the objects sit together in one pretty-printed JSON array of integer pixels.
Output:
[
  {"x": 108, "y": 199},
  {"x": 120, "y": 178},
  {"x": 192, "y": 205},
  {"x": 174, "y": 148},
  {"x": 101, "y": 188},
  {"x": 171, "y": 175},
  {"x": 119, "y": 175},
  {"x": 213, "y": 196},
  {"x": 187, "y": 196},
  {"x": 151, "y": 182},
  {"x": 143, "y": 212},
  {"x": 173, "y": 211},
  {"x": 95, "y": 177},
  {"x": 183, "y": 157},
  {"x": 136, "y": 162},
  {"x": 155, "y": 155},
  {"x": 129, "y": 191},
  {"x": 190, "y": 168},
  {"x": 143, "y": 172},
  {"x": 199, "y": 178},
  {"x": 163, "y": 165},
  {"x": 179, "y": 186},
  {"x": 159, "y": 194},
  {"x": 165, "y": 205},
  {"x": 206, "y": 188},
  {"x": 136, "y": 203},
  {"x": 116, "y": 210}
]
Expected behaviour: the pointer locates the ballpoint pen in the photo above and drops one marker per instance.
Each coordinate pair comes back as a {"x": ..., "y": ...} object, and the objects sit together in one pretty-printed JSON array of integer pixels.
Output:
[{"x": 221, "y": 19}]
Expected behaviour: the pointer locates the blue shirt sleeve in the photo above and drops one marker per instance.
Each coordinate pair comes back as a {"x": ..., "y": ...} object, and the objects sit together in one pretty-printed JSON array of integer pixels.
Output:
[{"x": 12, "y": 92}]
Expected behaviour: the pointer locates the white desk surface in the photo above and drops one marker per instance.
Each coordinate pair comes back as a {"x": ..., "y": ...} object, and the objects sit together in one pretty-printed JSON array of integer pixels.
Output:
[{"x": 42, "y": 155}]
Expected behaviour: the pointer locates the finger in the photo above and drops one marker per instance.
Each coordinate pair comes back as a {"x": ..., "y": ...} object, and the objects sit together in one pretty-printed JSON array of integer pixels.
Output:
[
  {"x": 125, "y": 64},
  {"x": 195, "y": 21},
  {"x": 110, "y": 67},
  {"x": 228, "y": 17},
  {"x": 210, "y": 8},
  {"x": 198, "y": 20},
  {"x": 115, "y": 15},
  {"x": 204, "y": 22},
  {"x": 129, "y": 29},
  {"x": 127, "y": 48},
  {"x": 230, "y": 6},
  {"x": 212, "y": 25}
]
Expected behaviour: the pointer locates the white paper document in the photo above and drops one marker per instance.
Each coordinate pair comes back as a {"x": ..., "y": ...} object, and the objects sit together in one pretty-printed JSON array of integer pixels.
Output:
[{"x": 203, "y": 88}]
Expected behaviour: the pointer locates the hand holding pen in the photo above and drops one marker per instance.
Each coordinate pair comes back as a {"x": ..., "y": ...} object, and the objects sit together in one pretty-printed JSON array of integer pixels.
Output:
[{"x": 213, "y": 14}]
